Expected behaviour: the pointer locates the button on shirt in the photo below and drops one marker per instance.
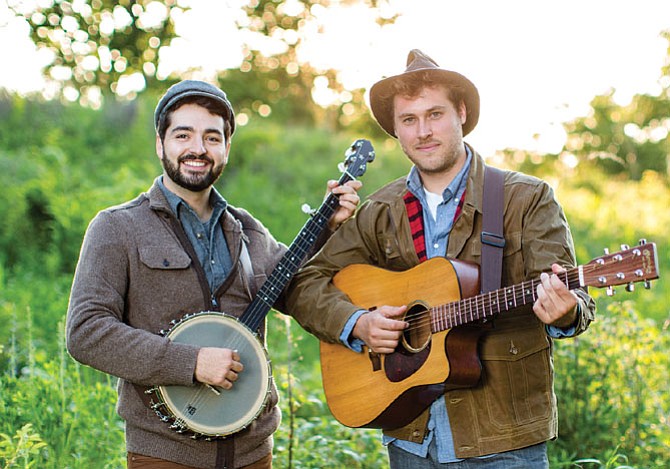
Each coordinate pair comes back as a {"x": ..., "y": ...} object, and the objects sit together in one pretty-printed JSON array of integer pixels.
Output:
[{"x": 206, "y": 237}]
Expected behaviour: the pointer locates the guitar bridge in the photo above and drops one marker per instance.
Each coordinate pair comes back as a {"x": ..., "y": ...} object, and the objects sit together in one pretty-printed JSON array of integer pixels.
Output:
[{"x": 375, "y": 359}]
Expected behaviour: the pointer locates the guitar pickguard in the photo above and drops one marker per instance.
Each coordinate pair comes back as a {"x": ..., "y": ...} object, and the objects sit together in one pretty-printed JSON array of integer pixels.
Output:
[{"x": 402, "y": 363}]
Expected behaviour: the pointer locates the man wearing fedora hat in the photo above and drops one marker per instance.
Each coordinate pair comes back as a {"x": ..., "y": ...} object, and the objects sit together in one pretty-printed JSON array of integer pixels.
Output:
[
  {"x": 506, "y": 418},
  {"x": 178, "y": 249}
]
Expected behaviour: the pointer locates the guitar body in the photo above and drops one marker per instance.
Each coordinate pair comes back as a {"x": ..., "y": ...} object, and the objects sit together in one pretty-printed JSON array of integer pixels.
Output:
[
  {"x": 438, "y": 351},
  {"x": 389, "y": 391}
]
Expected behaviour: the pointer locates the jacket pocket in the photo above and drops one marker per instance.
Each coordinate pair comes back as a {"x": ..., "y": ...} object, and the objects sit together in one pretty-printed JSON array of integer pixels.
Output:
[
  {"x": 513, "y": 262},
  {"x": 164, "y": 258},
  {"x": 518, "y": 385}
]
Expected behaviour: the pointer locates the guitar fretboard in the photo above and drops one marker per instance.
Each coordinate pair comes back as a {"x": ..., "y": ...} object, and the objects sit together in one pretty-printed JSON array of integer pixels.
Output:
[
  {"x": 290, "y": 262},
  {"x": 359, "y": 154},
  {"x": 487, "y": 305}
]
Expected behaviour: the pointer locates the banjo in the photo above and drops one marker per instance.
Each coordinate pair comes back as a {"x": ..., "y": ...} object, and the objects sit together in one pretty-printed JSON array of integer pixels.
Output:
[{"x": 210, "y": 412}]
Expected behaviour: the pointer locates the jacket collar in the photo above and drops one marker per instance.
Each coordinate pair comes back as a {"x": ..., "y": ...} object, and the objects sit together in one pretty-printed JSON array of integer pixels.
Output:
[
  {"x": 157, "y": 200},
  {"x": 474, "y": 192}
]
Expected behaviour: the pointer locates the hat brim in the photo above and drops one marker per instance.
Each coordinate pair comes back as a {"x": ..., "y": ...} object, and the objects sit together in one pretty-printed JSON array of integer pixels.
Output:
[{"x": 381, "y": 100}]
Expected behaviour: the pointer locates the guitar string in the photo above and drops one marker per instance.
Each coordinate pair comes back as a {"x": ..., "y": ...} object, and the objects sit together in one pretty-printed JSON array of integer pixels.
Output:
[
  {"x": 314, "y": 226},
  {"x": 293, "y": 259},
  {"x": 257, "y": 312},
  {"x": 468, "y": 310},
  {"x": 203, "y": 392},
  {"x": 355, "y": 166},
  {"x": 455, "y": 315}
]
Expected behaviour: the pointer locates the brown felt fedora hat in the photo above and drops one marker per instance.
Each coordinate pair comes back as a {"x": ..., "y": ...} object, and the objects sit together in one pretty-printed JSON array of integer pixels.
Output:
[{"x": 381, "y": 94}]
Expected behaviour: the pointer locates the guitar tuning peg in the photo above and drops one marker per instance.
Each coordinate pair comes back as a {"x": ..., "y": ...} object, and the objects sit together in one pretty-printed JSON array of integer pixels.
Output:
[
  {"x": 308, "y": 210},
  {"x": 625, "y": 247},
  {"x": 606, "y": 250},
  {"x": 610, "y": 291},
  {"x": 630, "y": 287},
  {"x": 341, "y": 167},
  {"x": 642, "y": 241},
  {"x": 647, "y": 284}
]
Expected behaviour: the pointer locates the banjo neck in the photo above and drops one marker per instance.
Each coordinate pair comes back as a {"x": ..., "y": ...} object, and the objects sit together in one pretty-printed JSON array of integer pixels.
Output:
[{"x": 359, "y": 154}]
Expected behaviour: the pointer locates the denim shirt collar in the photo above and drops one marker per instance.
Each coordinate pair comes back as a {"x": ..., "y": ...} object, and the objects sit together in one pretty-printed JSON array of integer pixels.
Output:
[{"x": 176, "y": 203}]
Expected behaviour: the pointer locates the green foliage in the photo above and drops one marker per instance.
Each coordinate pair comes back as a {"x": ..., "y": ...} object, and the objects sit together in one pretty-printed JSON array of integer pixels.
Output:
[
  {"x": 22, "y": 448},
  {"x": 612, "y": 387},
  {"x": 62, "y": 413},
  {"x": 95, "y": 54},
  {"x": 265, "y": 160},
  {"x": 606, "y": 213},
  {"x": 60, "y": 164},
  {"x": 623, "y": 140},
  {"x": 309, "y": 437},
  {"x": 75, "y": 168}
]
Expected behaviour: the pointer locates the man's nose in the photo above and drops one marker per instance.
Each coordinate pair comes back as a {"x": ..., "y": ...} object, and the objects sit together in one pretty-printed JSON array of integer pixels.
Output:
[
  {"x": 425, "y": 129},
  {"x": 198, "y": 146}
]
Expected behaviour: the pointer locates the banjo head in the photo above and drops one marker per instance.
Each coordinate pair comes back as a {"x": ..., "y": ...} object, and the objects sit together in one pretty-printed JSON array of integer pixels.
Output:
[{"x": 216, "y": 412}]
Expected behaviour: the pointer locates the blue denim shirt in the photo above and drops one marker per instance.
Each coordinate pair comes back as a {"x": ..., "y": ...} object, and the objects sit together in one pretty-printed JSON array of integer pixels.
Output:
[
  {"x": 206, "y": 237},
  {"x": 436, "y": 233}
]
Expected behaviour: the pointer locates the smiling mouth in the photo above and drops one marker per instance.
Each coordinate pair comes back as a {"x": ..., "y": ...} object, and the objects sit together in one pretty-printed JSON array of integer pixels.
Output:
[{"x": 195, "y": 164}]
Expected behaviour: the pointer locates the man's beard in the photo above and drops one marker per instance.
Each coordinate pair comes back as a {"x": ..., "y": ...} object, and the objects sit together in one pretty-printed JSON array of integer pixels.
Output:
[
  {"x": 195, "y": 182},
  {"x": 441, "y": 163}
]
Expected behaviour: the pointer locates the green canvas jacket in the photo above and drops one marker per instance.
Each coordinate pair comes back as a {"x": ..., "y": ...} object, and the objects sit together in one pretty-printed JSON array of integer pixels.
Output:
[{"x": 514, "y": 404}]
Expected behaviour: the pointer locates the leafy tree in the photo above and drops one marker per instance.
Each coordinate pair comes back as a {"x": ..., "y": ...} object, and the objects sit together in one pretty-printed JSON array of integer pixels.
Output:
[
  {"x": 282, "y": 81},
  {"x": 626, "y": 140},
  {"x": 97, "y": 44},
  {"x": 620, "y": 141}
]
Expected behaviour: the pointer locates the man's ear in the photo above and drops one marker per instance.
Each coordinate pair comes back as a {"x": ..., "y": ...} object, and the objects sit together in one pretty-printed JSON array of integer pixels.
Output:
[
  {"x": 159, "y": 147},
  {"x": 463, "y": 112}
]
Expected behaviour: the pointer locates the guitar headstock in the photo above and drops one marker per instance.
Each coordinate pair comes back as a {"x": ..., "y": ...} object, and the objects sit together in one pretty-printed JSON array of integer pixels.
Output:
[
  {"x": 626, "y": 267},
  {"x": 357, "y": 157}
]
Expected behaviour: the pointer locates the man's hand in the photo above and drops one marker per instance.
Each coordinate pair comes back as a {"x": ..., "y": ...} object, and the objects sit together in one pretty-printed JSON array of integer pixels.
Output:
[
  {"x": 349, "y": 200},
  {"x": 555, "y": 304},
  {"x": 218, "y": 366},
  {"x": 380, "y": 329}
]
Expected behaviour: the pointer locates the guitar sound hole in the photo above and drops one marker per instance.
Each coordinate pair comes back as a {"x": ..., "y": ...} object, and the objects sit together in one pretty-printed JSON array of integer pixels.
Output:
[{"x": 417, "y": 336}]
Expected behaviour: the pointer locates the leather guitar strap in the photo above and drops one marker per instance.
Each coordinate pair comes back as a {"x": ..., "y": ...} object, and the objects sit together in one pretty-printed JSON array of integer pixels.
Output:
[
  {"x": 492, "y": 237},
  {"x": 225, "y": 453}
]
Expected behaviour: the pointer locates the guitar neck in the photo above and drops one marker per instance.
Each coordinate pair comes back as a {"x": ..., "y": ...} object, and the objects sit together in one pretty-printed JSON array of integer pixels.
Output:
[
  {"x": 291, "y": 261},
  {"x": 626, "y": 267},
  {"x": 359, "y": 154},
  {"x": 487, "y": 305},
  {"x": 289, "y": 264}
]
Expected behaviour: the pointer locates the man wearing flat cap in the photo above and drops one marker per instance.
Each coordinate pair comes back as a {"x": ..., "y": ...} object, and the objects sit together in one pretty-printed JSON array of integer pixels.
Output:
[
  {"x": 176, "y": 250},
  {"x": 505, "y": 415}
]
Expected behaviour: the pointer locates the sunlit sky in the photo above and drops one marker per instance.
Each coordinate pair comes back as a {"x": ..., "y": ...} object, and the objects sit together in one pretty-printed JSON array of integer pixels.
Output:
[{"x": 536, "y": 63}]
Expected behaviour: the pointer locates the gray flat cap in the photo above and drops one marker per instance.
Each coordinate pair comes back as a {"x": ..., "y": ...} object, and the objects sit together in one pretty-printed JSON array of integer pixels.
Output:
[{"x": 188, "y": 88}]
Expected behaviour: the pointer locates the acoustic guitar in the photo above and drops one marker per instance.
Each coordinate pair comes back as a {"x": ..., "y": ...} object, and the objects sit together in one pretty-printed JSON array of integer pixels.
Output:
[
  {"x": 210, "y": 412},
  {"x": 438, "y": 351}
]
